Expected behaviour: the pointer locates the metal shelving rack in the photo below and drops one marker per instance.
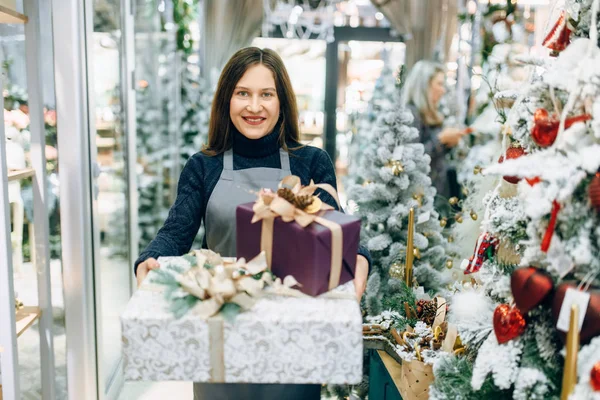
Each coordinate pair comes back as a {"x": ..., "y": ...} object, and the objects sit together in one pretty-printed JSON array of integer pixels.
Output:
[{"x": 26, "y": 317}]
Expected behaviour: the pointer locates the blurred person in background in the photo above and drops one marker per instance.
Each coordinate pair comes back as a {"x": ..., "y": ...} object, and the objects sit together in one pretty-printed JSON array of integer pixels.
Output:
[{"x": 423, "y": 90}]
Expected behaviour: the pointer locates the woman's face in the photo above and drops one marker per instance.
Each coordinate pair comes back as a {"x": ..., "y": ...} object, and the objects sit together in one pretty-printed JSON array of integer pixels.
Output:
[
  {"x": 437, "y": 88},
  {"x": 254, "y": 106}
]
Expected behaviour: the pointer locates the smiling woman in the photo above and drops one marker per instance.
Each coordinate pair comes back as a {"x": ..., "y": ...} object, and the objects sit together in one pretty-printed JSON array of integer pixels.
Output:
[
  {"x": 252, "y": 144},
  {"x": 254, "y": 106},
  {"x": 254, "y": 97}
]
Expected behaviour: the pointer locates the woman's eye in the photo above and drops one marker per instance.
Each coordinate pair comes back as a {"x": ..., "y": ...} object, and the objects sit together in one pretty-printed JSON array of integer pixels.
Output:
[
  {"x": 243, "y": 93},
  {"x": 267, "y": 94}
]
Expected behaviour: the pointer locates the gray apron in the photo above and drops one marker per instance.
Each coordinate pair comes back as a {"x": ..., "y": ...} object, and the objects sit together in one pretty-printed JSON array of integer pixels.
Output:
[{"x": 232, "y": 189}]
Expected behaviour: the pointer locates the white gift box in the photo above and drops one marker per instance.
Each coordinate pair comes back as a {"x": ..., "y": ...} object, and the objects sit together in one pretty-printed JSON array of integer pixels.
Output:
[{"x": 280, "y": 340}]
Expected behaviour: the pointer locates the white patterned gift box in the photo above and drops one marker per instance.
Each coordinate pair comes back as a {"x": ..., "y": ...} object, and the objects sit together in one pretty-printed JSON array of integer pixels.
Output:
[{"x": 280, "y": 340}]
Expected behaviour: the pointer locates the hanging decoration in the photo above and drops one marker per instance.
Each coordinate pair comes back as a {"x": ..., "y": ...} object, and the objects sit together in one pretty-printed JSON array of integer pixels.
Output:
[
  {"x": 486, "y": 247},
  {"x": 551, "y": 225},
  {"x": 515, "y": 151},
  {"x": 508, "y": 323},
  {"x": 559, "y": 36},
  {"x": 545, "y": 126},
  {"x": 594, "y": 192},
  {"x": 530, "y": 287},
  {"x": 300, "y": 19}
]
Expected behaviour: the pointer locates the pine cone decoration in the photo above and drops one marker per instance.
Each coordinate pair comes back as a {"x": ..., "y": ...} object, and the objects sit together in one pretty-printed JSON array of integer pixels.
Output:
[
  {"x": 286, "y": 194},
  {"x": 427, "y": 310},
  {"x": 302, "y": 202}
]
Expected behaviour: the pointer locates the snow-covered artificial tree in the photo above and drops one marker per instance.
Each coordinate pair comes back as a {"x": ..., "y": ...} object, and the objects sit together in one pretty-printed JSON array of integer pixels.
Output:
[
  {"x": 540, "y": 241},
  {"x": 391, "y": 177},
  {"x": 384, "y": 93}
]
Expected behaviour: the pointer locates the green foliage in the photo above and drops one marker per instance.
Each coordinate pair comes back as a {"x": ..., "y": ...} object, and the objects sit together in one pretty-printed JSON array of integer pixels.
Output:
[
  {"x": 229, "y": 311},
  {"x": 184, "y": 13},
  {"x": 181, "y": 305},
  {"x": 453, "y": 382}
]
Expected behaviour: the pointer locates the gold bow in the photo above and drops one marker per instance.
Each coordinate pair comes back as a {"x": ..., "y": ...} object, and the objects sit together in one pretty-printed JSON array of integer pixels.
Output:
[
  {"x": 270, "y": 206},
  {"x": 216, "y": 281}
]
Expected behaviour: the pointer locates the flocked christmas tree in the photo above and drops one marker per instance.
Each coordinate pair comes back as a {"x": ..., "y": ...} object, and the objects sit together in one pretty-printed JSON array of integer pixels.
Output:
[
  {"x": 384, "y": 95},
  {"x": 391, "y": 178},
  {"x": 540, "y": 242}
]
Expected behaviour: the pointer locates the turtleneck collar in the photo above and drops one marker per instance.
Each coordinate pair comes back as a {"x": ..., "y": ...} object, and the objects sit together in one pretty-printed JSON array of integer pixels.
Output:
[{"x": 256, "y": 148}]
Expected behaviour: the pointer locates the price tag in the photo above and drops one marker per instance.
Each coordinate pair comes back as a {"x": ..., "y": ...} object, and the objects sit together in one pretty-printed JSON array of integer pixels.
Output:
[
  {"x": 572, "y": 296},
  {"x": 424, "y": 217}
]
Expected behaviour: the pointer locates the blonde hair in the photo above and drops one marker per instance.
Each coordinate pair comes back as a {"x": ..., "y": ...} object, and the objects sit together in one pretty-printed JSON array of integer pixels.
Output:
[{"x": 416, "y": 90}]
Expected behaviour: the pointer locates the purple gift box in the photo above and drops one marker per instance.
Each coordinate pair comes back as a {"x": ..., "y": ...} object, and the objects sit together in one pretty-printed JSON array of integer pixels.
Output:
[{"x": 304, "y": 253}]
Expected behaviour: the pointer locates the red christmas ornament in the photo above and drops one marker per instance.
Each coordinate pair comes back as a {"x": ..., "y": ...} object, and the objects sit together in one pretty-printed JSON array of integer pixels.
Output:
[
  {"x": 545, "y": 126},
  {"x": 559, "y": 36},
  {"x": 530, "y": 287},
  {"x": 508, "y": 323},
  {"x": 511, "y": 153},
  {"x": 550, "y": 229},
  {"x": 591, "y": 323},
  {"x": 485, "y": 243},
  {"x": 594, "y": 192},
  {"x": 595, "y": 377},
  {"x": 533, "y": 181}
]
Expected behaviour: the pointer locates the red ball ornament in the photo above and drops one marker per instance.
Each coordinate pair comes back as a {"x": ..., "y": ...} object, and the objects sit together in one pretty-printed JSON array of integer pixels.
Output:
[
  {"x": 595, "y": 377},
  {"x": 508, "y": 323},
  {"x": 545, "y": 126},
  {"x": 530, "y": 287},
  {"x": 594, "y": 192},
  {"x": 511, "y": 153},
  {"x": 591, "y": 323}
]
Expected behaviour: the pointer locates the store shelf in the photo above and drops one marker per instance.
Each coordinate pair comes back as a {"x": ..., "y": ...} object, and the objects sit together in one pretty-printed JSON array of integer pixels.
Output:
[
  {"x": 25, "y": 317},
  {"x": 20, "y": 174},
  {"x": 8, "y": 16}
]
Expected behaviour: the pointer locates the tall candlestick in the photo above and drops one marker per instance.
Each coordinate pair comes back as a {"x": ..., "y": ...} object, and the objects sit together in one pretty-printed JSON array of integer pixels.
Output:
[
  {"x": 570, "y": 371},
  {"x": 408, "y": 272}
]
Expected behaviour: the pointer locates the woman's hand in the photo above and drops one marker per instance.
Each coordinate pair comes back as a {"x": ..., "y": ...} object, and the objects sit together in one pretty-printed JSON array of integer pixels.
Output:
[
  {"x": 360, "y": 276},
  {"x": 451, "y": 136},
  {"x": 145, "y": 267}
]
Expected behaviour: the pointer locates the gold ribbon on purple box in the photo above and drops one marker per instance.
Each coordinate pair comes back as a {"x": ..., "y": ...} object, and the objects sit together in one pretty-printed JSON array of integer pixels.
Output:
[{"x": 270, "y": 206}]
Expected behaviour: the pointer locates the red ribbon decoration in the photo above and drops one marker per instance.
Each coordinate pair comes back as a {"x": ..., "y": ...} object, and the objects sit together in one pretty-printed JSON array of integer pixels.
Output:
[{"x": 551, "y": 225}]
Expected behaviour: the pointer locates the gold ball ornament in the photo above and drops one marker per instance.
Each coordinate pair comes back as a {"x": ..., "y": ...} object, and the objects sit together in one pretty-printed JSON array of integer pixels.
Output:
[
  {"x": 443, "y": 222},
  {"x": 453, "y": 201},
  {"x": 450, "y": 239},
  {"x": 473, "y": 215},
  {"x": 458, "y": 218},
  {"x": 449, "y": 264},
  {"x": 396, "y": 166},
  {"x": 477, "y": 170},
  {"x": 397, "y": 271}
]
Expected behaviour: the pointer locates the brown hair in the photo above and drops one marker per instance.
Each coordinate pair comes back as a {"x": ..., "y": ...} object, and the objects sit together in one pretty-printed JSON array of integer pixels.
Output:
[{"x": 221, "y": 127}]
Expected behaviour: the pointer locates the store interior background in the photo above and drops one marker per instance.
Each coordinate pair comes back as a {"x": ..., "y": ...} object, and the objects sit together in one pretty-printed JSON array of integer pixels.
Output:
[{"x": 177, "y": 49}]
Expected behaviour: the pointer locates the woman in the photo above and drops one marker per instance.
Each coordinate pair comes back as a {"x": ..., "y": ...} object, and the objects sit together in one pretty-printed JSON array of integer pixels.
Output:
[
  {"x": 423, "y": 90},
  {"x": 253, "y": 142}
]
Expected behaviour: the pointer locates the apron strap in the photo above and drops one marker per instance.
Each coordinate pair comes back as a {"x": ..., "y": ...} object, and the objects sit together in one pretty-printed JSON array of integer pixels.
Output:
[
  {"x": 284, "y": 158},
  {"x": 227, "y": 174}
]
